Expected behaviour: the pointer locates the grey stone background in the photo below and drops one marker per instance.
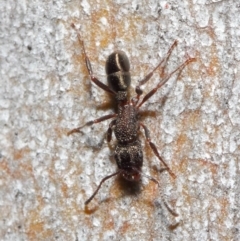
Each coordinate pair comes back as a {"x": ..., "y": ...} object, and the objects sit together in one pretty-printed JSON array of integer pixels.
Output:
[{"x": 45, "y": 176}]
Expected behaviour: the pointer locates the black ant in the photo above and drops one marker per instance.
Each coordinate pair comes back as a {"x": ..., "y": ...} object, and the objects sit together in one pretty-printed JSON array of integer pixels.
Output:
[{"x": 128, "y": 152}]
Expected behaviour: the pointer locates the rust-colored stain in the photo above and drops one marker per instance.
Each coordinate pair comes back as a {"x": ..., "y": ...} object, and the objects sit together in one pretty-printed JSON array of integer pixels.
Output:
[
  {"x": 64, "y": 189},
  {"x": 187, "y": 197},
  {"x": 19, "y": 154},
  {"x": 224, "y": 204},
  {"x": 109, "y": 223},
  {"x": 124, "y": 228},
  {"x": 182, "y": 141},
  {"x": 23, "y": 167},
  {"x": 192, "y": 119},
  {"x": 214, "y": 66},
  {"x": 35, "y": 226},
  {"x": 151, "y": 190},
  {"x": 182, "y": 165},
  {"x": 4, "y": 166},
  {"x": 210, "y": 166}
]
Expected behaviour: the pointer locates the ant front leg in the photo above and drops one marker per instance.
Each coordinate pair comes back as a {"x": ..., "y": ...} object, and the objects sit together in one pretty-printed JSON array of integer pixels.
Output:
[
  {"x": 148, "y": 76},
  {"x": 153, "y": 91},
  {"x": 89, "y": 66},
  {"x": 154, "y": 148},
  {"x": 89, "y": 123}
]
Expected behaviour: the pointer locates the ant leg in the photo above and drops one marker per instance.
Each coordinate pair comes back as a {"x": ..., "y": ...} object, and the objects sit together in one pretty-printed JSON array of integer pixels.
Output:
[
  {"x": 109, "y": 131},
  {"x": 148, "y": 76},
  {"x": 147, "y": 176},
  {"x": 154, "y": 148},
  {"x": 89, "y": 66},
  {"x": 169, "y": 209},
  {"x": 89, "y": 123},
  {"x": 153, "y": 91},
  {"x": 157, "y": 182},
  {"x": 103, "y": 180}
]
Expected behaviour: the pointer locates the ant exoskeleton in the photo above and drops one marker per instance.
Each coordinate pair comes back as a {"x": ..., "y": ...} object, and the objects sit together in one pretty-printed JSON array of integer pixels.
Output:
[{"x": 128, "y": 152}]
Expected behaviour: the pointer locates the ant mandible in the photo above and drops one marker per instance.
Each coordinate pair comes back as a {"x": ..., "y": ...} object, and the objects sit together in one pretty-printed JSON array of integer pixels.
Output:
[{"x": 128, "y": 152}]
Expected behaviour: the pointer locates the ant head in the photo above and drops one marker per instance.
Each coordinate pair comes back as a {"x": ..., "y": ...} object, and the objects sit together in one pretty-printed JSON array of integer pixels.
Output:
[{"x": 118, "y": 75}]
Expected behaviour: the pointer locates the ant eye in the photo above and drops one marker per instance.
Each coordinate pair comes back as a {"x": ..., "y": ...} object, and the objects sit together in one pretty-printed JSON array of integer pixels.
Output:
[{"x": 117, "y": 70}]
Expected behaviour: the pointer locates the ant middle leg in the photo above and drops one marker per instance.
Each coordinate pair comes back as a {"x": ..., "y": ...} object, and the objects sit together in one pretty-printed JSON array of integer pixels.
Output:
[
  {"x": 95, "y": 80},
  {"x": 154, "y": 148},
  {"x": 109, "y": 131},
  {"x": 149, "y": 75},
  {"x": 89, "y": 123}
]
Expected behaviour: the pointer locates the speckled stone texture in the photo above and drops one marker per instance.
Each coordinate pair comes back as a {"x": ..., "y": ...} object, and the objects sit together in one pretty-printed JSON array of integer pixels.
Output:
[{"x": 194, "y": 120}]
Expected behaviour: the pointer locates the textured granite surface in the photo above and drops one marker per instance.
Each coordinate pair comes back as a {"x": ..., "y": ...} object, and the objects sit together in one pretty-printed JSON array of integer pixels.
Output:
[{"x": 45, "y": 176}]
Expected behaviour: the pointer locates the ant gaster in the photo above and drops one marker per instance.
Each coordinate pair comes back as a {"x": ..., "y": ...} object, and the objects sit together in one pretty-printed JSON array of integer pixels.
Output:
[{"x": 128, "y": 152}]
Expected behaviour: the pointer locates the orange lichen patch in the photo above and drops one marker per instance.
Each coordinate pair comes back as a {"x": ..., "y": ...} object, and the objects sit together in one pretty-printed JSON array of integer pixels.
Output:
[
  {"x": 188, "y": 198},
  {"x": 190, "y": 71},
  {"x": 116, "y": 189},
  {"x": 213, "y": 136},
  {"x": 93, "y": 30},
  {"x": 4, "y": 167},
  {"x": 78, "y": 59},
  {"x": 64, "y": 189},
  {"x": 36, "y": 227},
  {"x": 60, "y": 132},
  {"x": 211, "y": 166},
  {"x": 214, "y": 169},
  {"x": 224, "y": 205},
  {"x": 70, "y": 210},
  {"x": 96, "y": 32},
  {"x": 210, "y": 145},
  {"x": 67, "y": 191},
  {"x": 132, "y": 32},
  {"x": 182, "y": 146},
  {"x": 109, "y": 223},
  {"x": 151, "y": 190},
  {"x": 215, "y": 130},
  {"x": 191, "y": 119},
  {"x": 214, "y": 66},
  {"x": 19, "y": 154},
  {"x": 182, "y": 141},
  {"x": 182, "y": 165},
  {"x": 124, "y": 228},
  {"x": 24, "y": 168}
]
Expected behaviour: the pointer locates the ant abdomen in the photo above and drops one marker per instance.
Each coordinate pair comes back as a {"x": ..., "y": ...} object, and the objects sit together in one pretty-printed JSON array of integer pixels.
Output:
[{"x": 117, "y": 70}]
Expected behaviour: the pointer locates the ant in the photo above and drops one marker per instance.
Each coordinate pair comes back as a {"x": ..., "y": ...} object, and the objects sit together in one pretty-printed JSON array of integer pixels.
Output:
[{"x": 126, "y": 125}]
